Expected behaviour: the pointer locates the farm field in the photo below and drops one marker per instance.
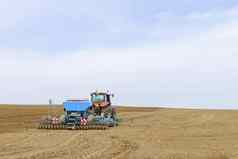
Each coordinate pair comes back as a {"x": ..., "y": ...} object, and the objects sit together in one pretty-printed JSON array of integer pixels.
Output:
[{"x": 144, "y": 133}]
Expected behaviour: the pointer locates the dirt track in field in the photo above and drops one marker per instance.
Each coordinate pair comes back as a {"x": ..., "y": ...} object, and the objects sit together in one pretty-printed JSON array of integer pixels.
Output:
[{"x": 142, "y": 134}]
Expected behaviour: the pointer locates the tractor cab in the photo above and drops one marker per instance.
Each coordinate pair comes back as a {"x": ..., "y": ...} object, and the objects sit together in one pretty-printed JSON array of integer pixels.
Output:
[
  {"x": 101, "y": 102},
  {"x": 101, "y": 99}
]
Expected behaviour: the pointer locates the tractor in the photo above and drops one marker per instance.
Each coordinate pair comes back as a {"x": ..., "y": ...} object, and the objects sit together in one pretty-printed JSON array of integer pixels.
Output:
[
  {"x": 96, "y": 113},
  {"x": 101, "y": 104}
]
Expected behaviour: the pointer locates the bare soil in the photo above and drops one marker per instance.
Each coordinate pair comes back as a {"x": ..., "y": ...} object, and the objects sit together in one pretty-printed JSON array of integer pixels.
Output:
[{"x": 144, "y": 133}]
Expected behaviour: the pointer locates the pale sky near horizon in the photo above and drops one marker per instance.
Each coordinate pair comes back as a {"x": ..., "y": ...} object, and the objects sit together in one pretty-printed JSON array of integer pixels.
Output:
[{"x": 148, "y": 52}]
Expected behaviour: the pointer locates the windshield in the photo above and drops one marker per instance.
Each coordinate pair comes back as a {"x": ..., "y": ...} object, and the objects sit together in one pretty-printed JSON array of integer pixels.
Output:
[{"x": 98, "y": 98}]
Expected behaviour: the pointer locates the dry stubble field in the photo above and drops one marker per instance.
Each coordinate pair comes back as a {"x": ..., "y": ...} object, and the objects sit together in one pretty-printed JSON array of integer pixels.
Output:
[{"x": 143, "y": 134}]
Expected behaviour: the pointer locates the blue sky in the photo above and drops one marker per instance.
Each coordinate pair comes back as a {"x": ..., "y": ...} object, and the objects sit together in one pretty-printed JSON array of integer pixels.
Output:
[{"x": 173, "y": 53}]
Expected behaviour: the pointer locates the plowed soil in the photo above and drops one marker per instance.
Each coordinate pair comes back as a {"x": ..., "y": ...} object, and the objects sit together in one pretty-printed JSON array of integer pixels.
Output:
[{"x": 144, "y": 133}]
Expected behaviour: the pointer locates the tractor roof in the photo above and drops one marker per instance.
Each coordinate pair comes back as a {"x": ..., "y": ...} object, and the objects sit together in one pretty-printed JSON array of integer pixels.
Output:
[{"x": 100, "y": 93}]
